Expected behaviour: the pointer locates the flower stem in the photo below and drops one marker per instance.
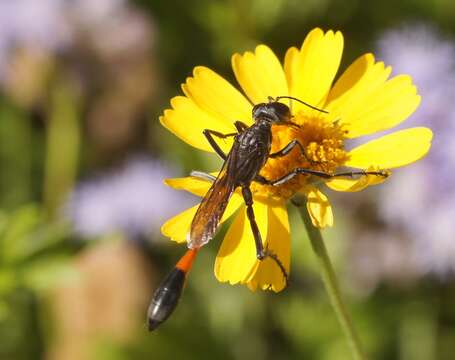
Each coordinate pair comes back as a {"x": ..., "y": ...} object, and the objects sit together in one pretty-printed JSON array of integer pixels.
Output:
[
  {"x": 62, "y": 145},
  {"x": 331, "y": 285}
]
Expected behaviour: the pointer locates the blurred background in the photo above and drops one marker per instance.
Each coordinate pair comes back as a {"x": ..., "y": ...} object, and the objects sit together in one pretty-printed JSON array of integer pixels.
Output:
[{"x": 83, "y": 156}]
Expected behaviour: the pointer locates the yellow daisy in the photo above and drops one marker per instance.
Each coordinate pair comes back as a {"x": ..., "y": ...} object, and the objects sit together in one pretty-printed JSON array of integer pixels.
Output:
[{"x": 362, "y": 101}]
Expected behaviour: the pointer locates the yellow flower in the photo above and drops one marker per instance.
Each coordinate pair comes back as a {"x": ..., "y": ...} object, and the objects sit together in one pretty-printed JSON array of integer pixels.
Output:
[{"x": 362, "y": 101}]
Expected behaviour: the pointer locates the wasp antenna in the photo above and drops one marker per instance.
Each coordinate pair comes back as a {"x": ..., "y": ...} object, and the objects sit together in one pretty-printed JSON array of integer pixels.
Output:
[{"x": 302, "y": 102}]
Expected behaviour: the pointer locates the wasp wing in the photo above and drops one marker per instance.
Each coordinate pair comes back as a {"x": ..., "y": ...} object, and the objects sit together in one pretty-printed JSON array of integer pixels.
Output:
[
  {"x": 211, "y": 209},
  {"x": 208, "y": 216}
]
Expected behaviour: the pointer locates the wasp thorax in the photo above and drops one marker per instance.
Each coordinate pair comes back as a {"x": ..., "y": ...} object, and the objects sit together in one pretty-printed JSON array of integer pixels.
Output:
[{"x": 324, "y": 148}]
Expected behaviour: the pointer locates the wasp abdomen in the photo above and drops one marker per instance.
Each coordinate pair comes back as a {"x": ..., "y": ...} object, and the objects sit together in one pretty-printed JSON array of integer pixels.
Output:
[{"x": 165, "y": 298}]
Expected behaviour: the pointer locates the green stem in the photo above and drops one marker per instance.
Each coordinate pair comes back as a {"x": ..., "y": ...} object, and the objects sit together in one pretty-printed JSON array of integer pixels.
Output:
[
  {"x": 62, "y": 145},
  {"x": 331, "y": 285},
  {"x": 16, "y": 149}
]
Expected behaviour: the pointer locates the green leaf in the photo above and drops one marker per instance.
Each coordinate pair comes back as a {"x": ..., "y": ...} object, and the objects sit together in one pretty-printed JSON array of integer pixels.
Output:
[
  {"x": 26, "y": 233},
  {"x": 20, "y": 224},
  {"x": 8, "y": 281},
  {"x": 48, "y": 272}
]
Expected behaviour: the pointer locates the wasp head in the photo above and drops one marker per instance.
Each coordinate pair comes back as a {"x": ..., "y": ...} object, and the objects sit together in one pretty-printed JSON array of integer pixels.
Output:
[{"x": 273, "y": 112}]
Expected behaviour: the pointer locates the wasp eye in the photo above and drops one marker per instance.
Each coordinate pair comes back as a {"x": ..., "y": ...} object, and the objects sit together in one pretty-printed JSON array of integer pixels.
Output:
[{"x": 281, "y": 111}]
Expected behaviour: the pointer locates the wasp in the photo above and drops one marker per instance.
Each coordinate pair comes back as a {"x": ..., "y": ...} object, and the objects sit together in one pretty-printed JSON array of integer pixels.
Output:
[{"x": 250, "y": 151}]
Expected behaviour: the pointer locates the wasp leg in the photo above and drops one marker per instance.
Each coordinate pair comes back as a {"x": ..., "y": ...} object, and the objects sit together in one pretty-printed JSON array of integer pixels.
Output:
[
  {"x": 202, "y": 175},
  {"x": 240, "y": 126},
  {"x": 262, "y": 180},
  {"x": 288, "y": 148},
  {"x": 321, "y": 174},
  {"x": 209, "y": 136},
  {"x": 261, "y": 253}
]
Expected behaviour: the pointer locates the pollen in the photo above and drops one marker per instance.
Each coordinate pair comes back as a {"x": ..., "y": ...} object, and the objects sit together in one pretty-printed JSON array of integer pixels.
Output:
[{"x": 324, "y": 151}]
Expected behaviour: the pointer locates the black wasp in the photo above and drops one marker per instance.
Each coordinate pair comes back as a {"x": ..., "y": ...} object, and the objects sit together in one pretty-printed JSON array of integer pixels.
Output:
[{"x": 249, "y": 153}]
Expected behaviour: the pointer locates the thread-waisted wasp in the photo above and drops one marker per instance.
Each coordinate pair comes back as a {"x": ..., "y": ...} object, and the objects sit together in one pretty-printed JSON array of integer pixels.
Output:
[{"x": 250, "y": 151}]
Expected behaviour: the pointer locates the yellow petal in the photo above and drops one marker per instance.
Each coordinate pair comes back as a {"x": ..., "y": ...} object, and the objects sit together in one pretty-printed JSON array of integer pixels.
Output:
[
  {"x": 311, "y": 70},
  {"x": 290, "y": 64},
  {"x": 268, "y": 274},
  {"x": 393, "y": 150},
  {"x": 194, "y": 185},
  {"x": 318, "y": 207},
  {"x": 260, "y": 74},
  {"x": 216, "y": 96},
  {"x": 177, "y": 227},
  {"x": 366, "y": 102},
  {"x": 361, "y": 75},
  {"x": 187, "y": 121},
  {"x": 353, "y": 185},
  {"x": 236, "y": 258}
]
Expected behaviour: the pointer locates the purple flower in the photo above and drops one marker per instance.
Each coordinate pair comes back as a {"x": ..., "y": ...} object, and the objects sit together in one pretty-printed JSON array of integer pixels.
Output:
[
  {"x": 52, "y": 26},
  {"x": 38, "y": 24},
  {"x": 133, "y": 200}
]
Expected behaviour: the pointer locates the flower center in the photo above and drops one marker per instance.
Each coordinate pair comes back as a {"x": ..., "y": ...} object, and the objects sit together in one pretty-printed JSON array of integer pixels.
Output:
[{"x": 324, "y": 149}]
